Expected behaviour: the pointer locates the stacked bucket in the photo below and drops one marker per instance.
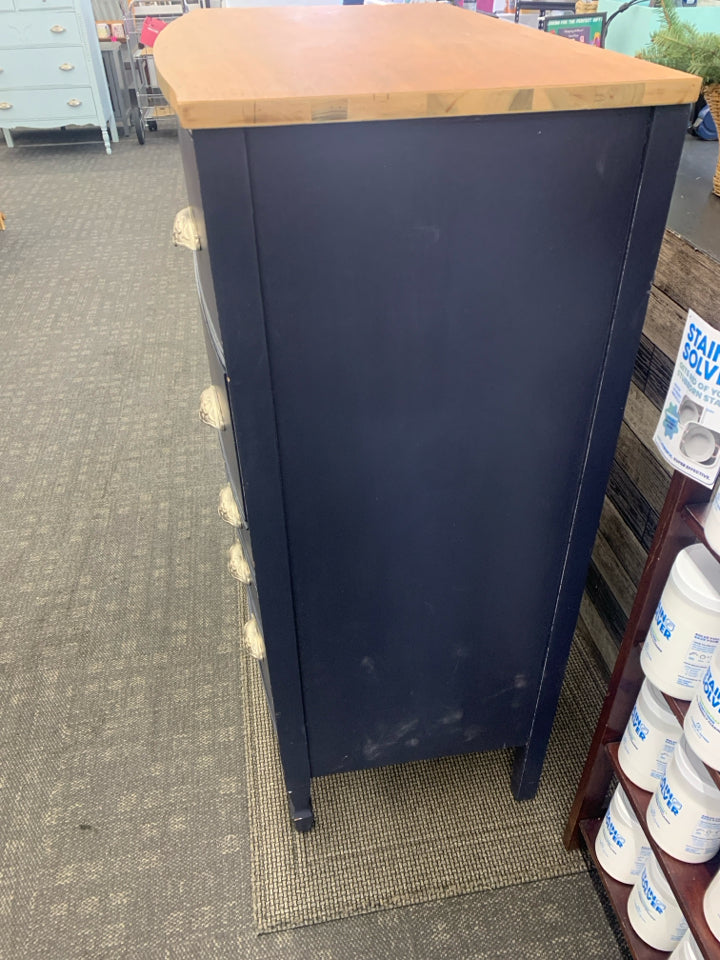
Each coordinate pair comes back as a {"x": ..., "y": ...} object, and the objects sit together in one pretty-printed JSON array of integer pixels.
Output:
[{"x": 681, "y": 658}]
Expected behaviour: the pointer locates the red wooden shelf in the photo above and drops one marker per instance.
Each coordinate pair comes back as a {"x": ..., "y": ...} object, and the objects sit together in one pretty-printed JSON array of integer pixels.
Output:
[
  {"x": 688, "y": 881},
  {"x": 694, "y": 516}
]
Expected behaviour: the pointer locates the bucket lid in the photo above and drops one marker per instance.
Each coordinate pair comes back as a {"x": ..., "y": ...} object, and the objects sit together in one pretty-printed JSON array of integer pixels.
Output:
[
  {"x": 694, "y": 770},
  {"x": 656, "y": 704},
  {"x": 625, "y": 811},
  {"x": 689, "y": 945},
  {"x": 658, "y": 880},
  {"x": 696, "y": 573}
]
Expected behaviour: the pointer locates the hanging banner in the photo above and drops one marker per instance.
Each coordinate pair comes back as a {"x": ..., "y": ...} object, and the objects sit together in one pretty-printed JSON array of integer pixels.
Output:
[{"x": 688, "y": 434}]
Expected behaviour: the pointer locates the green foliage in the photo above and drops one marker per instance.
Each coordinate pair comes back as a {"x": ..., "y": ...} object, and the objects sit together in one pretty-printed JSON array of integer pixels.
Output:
[{"x": 679, "y": 44}]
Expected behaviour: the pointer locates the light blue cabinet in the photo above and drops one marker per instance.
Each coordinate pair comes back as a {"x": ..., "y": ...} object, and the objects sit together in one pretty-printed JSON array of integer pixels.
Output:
[{"x": 51, "y": 72}]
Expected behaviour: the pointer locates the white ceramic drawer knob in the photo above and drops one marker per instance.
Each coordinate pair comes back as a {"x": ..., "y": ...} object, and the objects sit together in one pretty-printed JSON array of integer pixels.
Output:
[
  {"x": 74, "y": 102},
  {"x": 238, "y": 565},
  {"x": 253, "y": 639},
  {"x": 210, "y": 409},
  {"x": 5, "y": 105},
  {"x": 185, "y": 233},
  {"x": 67, "y": 66},
  {"x": 228, "y": 508},
  {"x": 56, "y": 28}
]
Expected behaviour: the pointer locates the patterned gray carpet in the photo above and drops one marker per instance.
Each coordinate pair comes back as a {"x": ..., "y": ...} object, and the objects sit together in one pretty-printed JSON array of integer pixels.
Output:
[
  {"x": 411, "y": 833},
  {"x": 123, "y": 800}
]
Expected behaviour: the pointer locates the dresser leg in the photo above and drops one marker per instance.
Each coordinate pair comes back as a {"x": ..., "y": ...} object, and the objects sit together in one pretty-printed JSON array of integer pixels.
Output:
[
  {"x": 113, "y": 130},
  {"x": 8, "y": 137},
  {"x": 527, "y": 767},
  {"x": 106, "y": 140},
  {"x": 302, "y": 814}
]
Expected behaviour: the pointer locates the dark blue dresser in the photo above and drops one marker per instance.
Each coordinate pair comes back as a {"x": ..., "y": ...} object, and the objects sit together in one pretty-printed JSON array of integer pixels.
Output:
[{"x": 425, "y": 246}]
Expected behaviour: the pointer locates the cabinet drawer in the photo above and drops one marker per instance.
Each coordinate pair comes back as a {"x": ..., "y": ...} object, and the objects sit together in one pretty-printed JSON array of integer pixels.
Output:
[
  {"x": 203, "y": 281},
  {"x": 203, "y": 271},
  {"x": 20, "y": 106},
  {"x": 40, "y": 28},
  {"x": 38, "y": 68},
  {"x": 43, "y": 4},
  {"x": 254, "y": 608},
  {"x": 226, "y": 434},
  {"x": 243, "y": 535}
]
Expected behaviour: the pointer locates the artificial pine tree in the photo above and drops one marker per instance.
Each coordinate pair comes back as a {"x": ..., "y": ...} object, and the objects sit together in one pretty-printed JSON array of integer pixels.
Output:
[{"x": 679, "y": 44}]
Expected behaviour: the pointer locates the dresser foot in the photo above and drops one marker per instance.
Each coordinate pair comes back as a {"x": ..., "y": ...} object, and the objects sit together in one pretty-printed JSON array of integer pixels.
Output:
[
  {"x": 114, "y": 131},
  {"x": 106, "y": 140},
  {"x": 303, "y": 817},
  {"x": 8, "y": 137}
]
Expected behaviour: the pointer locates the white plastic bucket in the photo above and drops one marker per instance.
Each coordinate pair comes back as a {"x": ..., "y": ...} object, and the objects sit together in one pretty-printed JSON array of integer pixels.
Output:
[
  {"x": 684, "y": 813},
  {"x": 712, "y": 522},
  {"x": 686, "y": 626},
  {"x": 621, "y": 846},
  {"x": 649, "y": 739},
  {"x": 711, "y": 906},
  {"x": 687, "y": 949},
  {"x": 653, "y": 911},
  {"x": 702, "y": 721}
]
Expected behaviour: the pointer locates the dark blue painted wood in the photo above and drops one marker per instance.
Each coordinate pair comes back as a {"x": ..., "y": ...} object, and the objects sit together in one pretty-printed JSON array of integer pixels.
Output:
[
  {"x": 230, "y": 230},
  {"x": 428, "y": 352},
  {"x": 663, "y": 145}
]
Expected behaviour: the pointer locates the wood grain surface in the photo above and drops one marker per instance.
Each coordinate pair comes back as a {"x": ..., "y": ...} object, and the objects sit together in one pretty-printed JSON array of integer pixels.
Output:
[
  {"x": 639, "y": 480},
  {"x": 289, "y": 65}
]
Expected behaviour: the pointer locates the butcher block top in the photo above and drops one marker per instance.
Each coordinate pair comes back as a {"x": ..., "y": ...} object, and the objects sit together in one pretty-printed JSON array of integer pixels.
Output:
[{"x": 286, "y": 65}]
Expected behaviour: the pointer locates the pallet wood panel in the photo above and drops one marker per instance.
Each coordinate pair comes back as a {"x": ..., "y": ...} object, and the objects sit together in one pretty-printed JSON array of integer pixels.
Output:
[
  {"x": 639, "y": 480},
  {"x": 625, "y": 546},
  {"x": 613, "y": 574},
  {"x": 645, "y": 470},
  {"x": 689, "y": 277},
  {"x": 664, "y": 322}
]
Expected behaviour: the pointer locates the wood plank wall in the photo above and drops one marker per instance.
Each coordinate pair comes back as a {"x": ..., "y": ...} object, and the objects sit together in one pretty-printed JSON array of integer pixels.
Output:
[{"x": 685, "y": 278}]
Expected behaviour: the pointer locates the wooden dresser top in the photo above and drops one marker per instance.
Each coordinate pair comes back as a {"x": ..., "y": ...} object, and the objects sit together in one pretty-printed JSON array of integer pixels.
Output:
[{"x": 288, "y": 65}]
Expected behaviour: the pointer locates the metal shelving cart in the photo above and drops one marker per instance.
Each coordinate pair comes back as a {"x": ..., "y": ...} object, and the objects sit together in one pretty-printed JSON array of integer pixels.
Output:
[{"x": 151, "y": 104}]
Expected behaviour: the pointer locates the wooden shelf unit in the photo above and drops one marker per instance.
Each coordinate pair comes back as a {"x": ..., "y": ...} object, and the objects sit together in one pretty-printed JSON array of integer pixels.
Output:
[
  {"x": 681, "y": 523},
  {"x": 618, "y": 894}
]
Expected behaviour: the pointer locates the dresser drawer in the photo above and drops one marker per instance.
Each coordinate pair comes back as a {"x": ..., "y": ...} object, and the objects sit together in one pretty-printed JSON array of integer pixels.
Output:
[
  {"x": 203, "y": 272},
  {"x": 6, "y": 5},
  {"x": 254, "y": 608},
  {"x": 38, "y": 68},
  {"x": 226, "y": 435},
  {"x": 203, "y": 281},
  {"x": 68, "y": 105},
  {"x": 43, "y": 4},
  {"x": 40, "y": 28}
]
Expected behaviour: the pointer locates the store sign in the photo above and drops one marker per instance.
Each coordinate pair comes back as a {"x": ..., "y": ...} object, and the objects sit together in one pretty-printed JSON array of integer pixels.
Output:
[
  {"x": 688, "y": 434},
  {"x": 584, "y": 29}
]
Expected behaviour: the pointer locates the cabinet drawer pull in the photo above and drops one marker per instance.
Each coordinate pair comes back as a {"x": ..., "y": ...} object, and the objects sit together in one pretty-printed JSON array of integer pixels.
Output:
[
  {"x": 5, "y": 105},
  {"x": 56, "y": 28},
  {"x": 185, "y": 233},
  {"x": 210, "y": 409},
  {"x": 253, "y": 639},
  {"x": 67, "y": 66},
  {"x": 74, "y": 102},
  {"x": 238, "y": 565},
  {"x": 228, "y": 508}
]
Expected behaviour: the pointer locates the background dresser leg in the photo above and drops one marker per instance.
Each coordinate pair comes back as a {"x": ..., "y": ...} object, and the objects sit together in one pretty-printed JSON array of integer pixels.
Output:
[
  {"x": 8, "y": 137},
  {"x": 113, "y": 130}
]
